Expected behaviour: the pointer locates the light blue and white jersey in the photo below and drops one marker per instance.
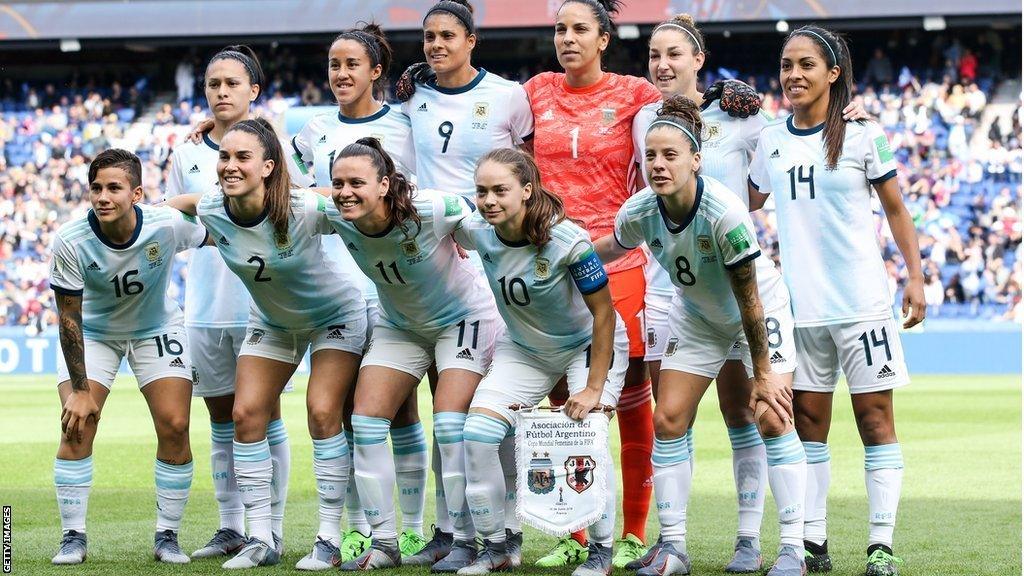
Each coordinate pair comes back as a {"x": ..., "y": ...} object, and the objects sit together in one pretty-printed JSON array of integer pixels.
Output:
[
  {"x": 421, "y": 280},
  {"x": 539, "y": 293},
  {"x": 123, "y": 286},
  {"x": 716, "y": 236},
  {"x": 320, "y": 140},
  {"x": 294, "y": 286},
  {"x": 727, "y": 146},
  {"x": 827, "y": 236},
  {"x": 313, "y": 149},
  {"x": 214, "y": 296},
  {"x": 454, "y": 127}
]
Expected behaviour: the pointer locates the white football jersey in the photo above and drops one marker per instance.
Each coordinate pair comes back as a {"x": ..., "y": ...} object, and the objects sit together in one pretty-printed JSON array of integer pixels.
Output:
[
  {"x": 214, "y": 296},
  {"x": 539, "y": 293},
  {"x": 454, "y": 127},
  {"x": 293, "y": 285},
  {"x": 421, "y": 280},
  {"x": 123, "y": 286},
  {"x": 716, "y": 236},
  {"x": 727, "y": 146},
  {"x": 827, "y": 235}
]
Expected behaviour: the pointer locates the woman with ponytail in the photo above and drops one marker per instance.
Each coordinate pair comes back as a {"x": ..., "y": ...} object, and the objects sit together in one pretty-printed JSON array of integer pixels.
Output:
[
  {"x": 583, "y": 118},
  {"x": 552, "y": 292},
  {"x": 217, "y": 304},
  {"x": 703, "y": 235},
  {"x": 823, "y": 171},
  {"x": 435, "y": 310},
  {"x": 358, "y": 61},
  {"x": 271, "y": 238}
]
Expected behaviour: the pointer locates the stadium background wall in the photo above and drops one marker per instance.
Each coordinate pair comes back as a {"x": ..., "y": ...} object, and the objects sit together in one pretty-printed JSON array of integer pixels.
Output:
[{"x": 944, "y": 347}]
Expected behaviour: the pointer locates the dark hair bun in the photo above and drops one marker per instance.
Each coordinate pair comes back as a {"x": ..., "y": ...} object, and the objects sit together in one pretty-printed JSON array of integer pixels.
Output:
[
  {"x": 611, "y": 6},
  {"x": 464, "y": 3},
  {"x": 679, "y": 106}
]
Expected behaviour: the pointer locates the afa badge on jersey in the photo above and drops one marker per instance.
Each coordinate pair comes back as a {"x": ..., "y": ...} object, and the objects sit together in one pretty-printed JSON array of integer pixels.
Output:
[
  {"x": 410, "y": 248},
  {"x": 704, "y": 244},
  {"x": 480, "y": 110},
  {"x": 541, "y": 268},
  {"x": 152, "y": 251}
]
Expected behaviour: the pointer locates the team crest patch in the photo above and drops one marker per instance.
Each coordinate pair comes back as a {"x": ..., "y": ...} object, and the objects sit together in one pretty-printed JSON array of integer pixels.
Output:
[
  {"x": 540, "y": 478},
  {"x": 579, "y": 472},
  {"x": 670, "y": 348},
  {"x": 711, "y": 131},
  {"x": 607, "y": 115},
  {"x": 704, "y": 244},
  {"x": 480, "y": 110},
  {"x": 282, "y": 241},
  {"x": 410, "y": 248},
  {"x": 255, "y": 336},
  {"x": 542, "y": 268},
  {"x": 152, "y": 251}
]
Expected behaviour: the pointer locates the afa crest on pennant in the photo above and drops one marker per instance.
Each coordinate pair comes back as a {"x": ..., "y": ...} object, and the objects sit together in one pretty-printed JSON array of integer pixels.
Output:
[{"x": 561, "y": 476}]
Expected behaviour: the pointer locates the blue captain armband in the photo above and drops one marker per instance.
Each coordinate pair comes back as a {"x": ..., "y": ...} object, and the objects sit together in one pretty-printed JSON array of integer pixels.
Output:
[{"x": 588, "y": 273}]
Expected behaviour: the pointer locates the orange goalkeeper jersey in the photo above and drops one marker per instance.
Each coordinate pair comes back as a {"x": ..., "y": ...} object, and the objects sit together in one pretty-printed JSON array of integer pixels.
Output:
[{"x": 584, "y": 148}]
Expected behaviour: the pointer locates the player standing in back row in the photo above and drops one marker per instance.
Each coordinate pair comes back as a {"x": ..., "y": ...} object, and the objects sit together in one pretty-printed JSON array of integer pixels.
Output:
[
  {"x": 822, "y": 171},
  {"x": 109, "y": 271},
  {"x": 584, "y": 149}
]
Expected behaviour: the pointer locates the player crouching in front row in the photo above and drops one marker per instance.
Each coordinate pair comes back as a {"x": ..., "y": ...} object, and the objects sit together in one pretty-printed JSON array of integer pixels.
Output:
[
  {"x": 110, "y": 272},
  {"x": 702, "y": 234}
]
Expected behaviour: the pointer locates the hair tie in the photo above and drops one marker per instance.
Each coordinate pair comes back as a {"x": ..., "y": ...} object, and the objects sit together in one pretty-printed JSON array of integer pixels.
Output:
[
  {"x": 825, "y": 42},
  {"x": 455, "y": 9},
  {"x": 685, "y": 130},
  {"x": 366, "y": 39},
  {"x": 244, "y": 59},
  {"x": 681, "y": 27}
]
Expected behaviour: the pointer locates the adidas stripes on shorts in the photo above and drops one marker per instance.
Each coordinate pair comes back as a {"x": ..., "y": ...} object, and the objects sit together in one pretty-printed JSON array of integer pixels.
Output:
[
  {"x": 164, "y": 355},
  {"x": 290, "y": 346},
  {"x": 696, "y": 346},
  {"x": 869, "y": 353},
  {"x": 467, "y": 344}
]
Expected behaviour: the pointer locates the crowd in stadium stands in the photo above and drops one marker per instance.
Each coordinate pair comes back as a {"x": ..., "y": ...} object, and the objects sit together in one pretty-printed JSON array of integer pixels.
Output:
[{"x": 966, "y": 205}]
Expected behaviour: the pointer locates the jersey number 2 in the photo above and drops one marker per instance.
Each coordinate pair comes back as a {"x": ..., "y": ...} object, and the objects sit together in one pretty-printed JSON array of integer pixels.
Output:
[{"x": 261, "y": 267}]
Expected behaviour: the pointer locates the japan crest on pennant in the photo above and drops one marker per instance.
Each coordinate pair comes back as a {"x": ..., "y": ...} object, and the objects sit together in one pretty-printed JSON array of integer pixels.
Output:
[{"x": 561, "y": 470}]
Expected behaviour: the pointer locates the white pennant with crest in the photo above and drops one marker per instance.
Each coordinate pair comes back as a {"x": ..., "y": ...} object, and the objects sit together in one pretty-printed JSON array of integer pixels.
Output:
[{"x": 561, "y": 470}]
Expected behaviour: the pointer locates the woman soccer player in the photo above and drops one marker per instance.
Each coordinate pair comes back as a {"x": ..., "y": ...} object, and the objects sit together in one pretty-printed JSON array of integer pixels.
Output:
[
  {"x": 823, "y": 170},
  {"x": 552, "y": 291},
  {"x": 217, "y": 305},
  {"x": 701, "y": 232},
  {"x": 270, "y": 238},
  {"x": 435, "y": 309},
  {"x": 459, "y": 113},
  {"x": 585, "y": 152},
  {"x": 357, "y": 66},
  {"x": 109, "y": 272},
  {"x": 677, "y": 52}
]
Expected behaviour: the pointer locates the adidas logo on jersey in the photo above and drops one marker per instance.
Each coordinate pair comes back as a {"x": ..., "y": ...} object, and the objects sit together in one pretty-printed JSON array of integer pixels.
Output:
[
  {"x": 486, "y": 257},
  {"x": 886, "y": 372},
  {"x": 323, "y": 139},
  {"x": 656, "y": 243},
  {"x": 775, "y": 154},
  {"x": 547, "y": 115},
  {"x": 352, "y": 247},
  {"x": 177, "y": 363},
  {"x": 93, "y": 266},
  {"x": 224, "y": 241},
  {"x": 422, "y": 108},
  {"x": 464, "y": 355},
  {"x": 336, "y": 332},
  {"x": 776, "y": 358},
  {"x": 194, "y": 169}
]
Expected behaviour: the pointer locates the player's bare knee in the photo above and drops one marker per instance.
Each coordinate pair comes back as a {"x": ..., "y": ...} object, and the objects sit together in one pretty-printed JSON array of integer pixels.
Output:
[
  {"x": 323, "y": 421},
  {"x": 670, "y": 425},
  {"x": 736, "y": 415},
  {"x": 250, "y": 421},
  {"x": 876, "y": 427},
  {"x": 172, "y": 428},
  {"x": 770, "y": 425}
]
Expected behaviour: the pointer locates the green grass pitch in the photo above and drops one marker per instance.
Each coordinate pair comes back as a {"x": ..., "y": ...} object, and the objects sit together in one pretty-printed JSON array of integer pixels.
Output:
[{"x": 960, "y": 512}]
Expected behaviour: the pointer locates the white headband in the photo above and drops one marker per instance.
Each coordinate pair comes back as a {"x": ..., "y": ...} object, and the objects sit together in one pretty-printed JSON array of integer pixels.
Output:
[
  {"x": 683, "y": 28},
  {"x": 823, "y": 41},
  {"x": 677, "y": 125}
]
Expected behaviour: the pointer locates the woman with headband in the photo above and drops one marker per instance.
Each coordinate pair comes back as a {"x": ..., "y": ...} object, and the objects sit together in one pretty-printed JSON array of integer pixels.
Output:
[
  {"x": 459, "y": 113},
  {"x": 357, "y": 66},
  {"x": 217, "y": 304},
  {"x": 677, "y": 53},
  {"x": 823, "y": 171},
  {"x": 703, "y": 235}
]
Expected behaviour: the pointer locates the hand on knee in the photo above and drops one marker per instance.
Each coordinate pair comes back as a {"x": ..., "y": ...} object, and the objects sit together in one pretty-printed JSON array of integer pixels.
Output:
[{"x": 769, "y": 424}]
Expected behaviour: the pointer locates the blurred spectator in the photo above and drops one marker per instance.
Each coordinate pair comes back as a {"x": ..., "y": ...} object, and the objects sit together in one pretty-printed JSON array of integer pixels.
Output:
[
  {"x": 878, "y": 71},
  {"x": 185, "y": 80}
]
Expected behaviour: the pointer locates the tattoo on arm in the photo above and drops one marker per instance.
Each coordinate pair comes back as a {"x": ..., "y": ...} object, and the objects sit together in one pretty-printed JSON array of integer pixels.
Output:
[
  {"x": 72, "y": 342},
  {"x": 744, "y": 287}
]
